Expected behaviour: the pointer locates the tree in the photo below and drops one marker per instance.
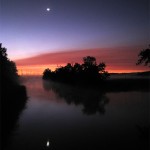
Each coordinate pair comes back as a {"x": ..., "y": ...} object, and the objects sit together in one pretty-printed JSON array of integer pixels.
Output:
[
  {"x": 3, "y": 52},
  {"x": 90, "y": 67},
  {"x": 101, "y": 67},
  {"x": 89, "y": 61},
  {"x": 68, "y": 67},
  {"x": 77, "y": 68},
  {"x": 47, "y": 73},
  {"x": 144, "y": 57},
  {"x": 88, "y": 72},
  {"x": 8, "y": 70}
]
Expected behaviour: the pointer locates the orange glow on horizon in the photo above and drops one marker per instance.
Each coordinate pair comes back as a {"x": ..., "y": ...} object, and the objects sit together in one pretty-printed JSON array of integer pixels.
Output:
[
  {"x": 34, "y": 69},
  {"x": 117, "y": 60},
  {"x": 39, "y": 69}
]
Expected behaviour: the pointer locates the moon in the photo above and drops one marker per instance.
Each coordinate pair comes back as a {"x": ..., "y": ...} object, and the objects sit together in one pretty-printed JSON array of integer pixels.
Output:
[{"x": 48, "y": 9}]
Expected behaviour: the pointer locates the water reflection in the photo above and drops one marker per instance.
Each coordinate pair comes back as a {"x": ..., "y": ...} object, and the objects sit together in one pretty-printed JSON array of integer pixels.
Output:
[
  {"x": 92, "y": 100},
  {"x": 53, "y": 119},
  {"x": 13, "y": 104},
  {"x": 143, "y": 131},
  {"x": 48, "y": 143}
]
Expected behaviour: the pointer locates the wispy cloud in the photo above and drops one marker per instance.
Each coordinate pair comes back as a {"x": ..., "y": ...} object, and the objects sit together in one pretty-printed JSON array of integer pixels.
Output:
[{"x": 123, "y": 59}]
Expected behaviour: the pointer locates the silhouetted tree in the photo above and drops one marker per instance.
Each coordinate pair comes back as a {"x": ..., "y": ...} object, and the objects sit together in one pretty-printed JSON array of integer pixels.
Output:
[
  {"x": 89, "y": 61},
  {"x": 144, "y": 57},
  {"x": 8, "y": 70},
  {"x": 12, "y": 95},
  {"x": 47, "y": 73},
  {"x": 88, "y": 72},
  {"x": 101, "y": 66},
  {"x": 78, "y": 68},
  {"x": 3, "y": 54},
  {"x": 69, "y": 67}
]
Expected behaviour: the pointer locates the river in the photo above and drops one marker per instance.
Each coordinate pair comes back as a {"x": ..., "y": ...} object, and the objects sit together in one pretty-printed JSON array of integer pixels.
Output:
[{"x": 61, "y": 117}]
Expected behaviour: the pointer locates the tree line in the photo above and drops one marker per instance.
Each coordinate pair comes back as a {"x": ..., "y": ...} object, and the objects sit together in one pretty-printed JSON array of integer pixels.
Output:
[{"x": 87, "y": 72}]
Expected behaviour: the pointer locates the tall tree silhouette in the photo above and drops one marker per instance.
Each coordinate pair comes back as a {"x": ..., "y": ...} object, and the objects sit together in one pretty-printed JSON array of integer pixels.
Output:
[
  {"x": 47, "y": 73},
  {"x": 89, "y": 60},
  {"x": 8, "y": 68},
  {"x": 144, "y": 57},
  {"x": 12, "y": 96}
]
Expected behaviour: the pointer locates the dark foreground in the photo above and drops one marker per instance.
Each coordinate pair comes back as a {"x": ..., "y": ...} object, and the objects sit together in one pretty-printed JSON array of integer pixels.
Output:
[
  {"x": 13, "y": 101},
  {"x": 75, "y": 117}
]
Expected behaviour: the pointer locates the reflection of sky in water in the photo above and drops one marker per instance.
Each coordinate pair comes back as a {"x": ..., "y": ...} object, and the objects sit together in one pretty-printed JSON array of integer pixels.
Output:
[{"x": 49, "y": 117}]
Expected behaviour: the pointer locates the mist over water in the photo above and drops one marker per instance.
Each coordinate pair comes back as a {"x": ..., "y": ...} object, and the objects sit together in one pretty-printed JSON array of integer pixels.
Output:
[{"x": 59, "y": 116}]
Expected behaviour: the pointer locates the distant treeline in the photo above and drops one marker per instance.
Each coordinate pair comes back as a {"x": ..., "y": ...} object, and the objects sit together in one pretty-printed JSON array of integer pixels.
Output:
[{"x": 89, "y": 72}]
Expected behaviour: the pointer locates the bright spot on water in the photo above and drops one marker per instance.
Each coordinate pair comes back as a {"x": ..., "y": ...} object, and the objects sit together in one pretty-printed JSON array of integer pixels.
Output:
[{"x": 48, "y": 143}]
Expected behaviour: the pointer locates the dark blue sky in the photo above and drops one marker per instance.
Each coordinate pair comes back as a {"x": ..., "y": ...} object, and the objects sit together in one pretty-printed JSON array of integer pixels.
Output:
[{"x": 28, "y": 29}]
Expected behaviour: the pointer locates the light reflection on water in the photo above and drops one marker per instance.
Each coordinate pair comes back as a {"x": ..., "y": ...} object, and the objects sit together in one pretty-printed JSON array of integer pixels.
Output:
[{"x": 74, "y": 118}]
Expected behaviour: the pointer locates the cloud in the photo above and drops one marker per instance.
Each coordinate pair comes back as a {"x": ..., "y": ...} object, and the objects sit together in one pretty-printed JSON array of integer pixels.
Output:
[{"x": 115, "y": 58}]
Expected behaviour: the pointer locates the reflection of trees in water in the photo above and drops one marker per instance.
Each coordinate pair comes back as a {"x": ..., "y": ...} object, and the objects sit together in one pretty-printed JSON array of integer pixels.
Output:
[
  {"x": 92, "y": 100},
  {"x": 13, "y": 104}
]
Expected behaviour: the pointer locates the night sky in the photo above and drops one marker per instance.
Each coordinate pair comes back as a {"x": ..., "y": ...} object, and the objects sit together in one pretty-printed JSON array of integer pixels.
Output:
[{"x": 28, "y": 29}]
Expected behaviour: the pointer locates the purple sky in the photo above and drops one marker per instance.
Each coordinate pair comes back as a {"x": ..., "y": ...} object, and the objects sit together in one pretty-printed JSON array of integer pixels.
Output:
[{"x": 27, "y": 29}]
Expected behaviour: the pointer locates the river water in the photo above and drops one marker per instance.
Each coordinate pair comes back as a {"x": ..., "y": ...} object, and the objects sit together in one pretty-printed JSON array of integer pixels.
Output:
[{"x": 61, "y": 117}]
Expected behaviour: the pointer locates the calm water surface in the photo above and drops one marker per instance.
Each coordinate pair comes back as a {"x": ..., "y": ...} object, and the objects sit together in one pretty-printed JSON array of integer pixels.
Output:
[{"x": 73, "y": 118}]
